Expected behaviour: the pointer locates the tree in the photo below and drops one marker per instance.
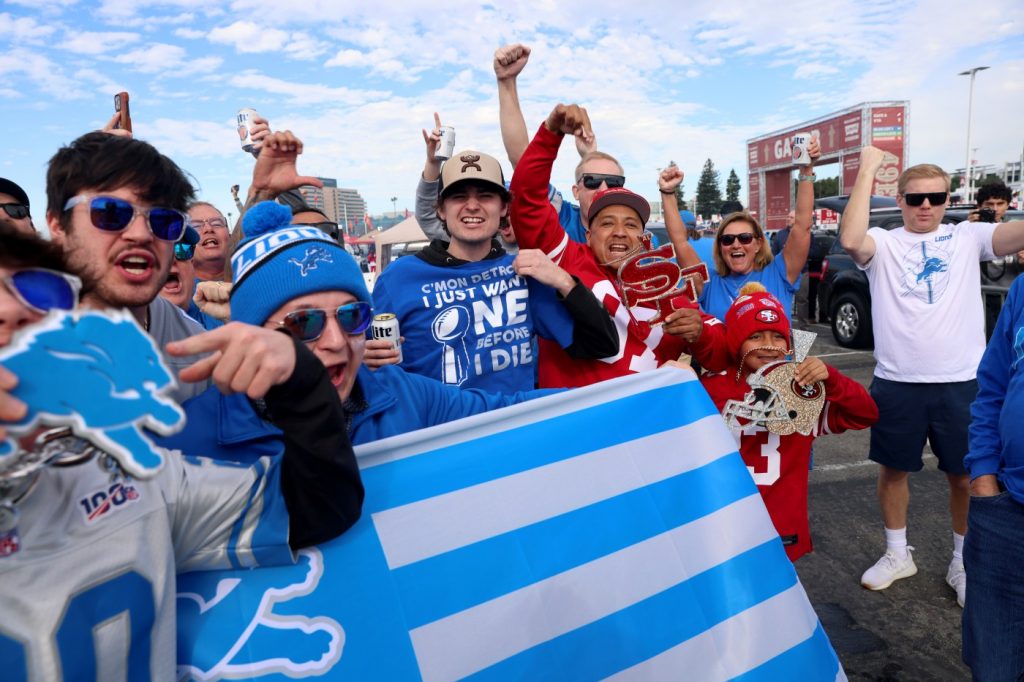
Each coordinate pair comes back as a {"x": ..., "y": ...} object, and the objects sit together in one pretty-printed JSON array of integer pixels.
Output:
[
  {"x": 709, "y": 195},
  {"x": 732, "y": 186},
  {"x": 679, "y": 192}
]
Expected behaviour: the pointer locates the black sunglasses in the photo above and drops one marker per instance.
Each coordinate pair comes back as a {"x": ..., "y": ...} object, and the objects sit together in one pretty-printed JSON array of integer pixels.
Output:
[
  {"x": 111, "y": 214},
  {"x": 16, "y": 211},
  {"x": 934, "y": 198},
  {"x": 744, "y": 237},
  {"x": 326, "y": 226},
  {"x": 594, "y": 180},
  {"x": 308, "y": 324},
  {"x": 183, "y": 251}
]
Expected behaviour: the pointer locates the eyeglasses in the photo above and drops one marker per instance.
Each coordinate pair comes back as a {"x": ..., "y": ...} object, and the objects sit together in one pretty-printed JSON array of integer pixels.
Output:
[
  {"x": 212, "y": 222},
  {"x": 326, "y": 226},
  {"x": 43, "y": 290},
  {"x": 744, "y": 237},
  {"x": 114, "y": 215},
  {"x": 16, "y": 211},
  {"x": 308, "y": 325},
  {"x": 184, "y": 251},
  {"x": 594, "y": 180},
  {"x": 934, "y": 198}
]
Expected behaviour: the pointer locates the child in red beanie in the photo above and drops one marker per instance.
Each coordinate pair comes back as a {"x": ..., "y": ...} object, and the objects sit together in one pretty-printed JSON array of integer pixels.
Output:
[{"x": 758, "y": 333}]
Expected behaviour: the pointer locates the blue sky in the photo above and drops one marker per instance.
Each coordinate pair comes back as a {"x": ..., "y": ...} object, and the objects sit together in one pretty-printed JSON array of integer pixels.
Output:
[{"x": 357, "y": 81}]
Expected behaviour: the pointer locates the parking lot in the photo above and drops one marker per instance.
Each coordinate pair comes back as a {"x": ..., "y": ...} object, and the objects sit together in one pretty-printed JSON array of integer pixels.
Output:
[{"x": 910, "y": 631}]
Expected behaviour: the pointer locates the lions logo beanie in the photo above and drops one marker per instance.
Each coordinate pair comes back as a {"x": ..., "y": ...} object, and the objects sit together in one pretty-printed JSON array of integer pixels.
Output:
[
  {"x": 277, "y": 261},
  {"x": 754, "y": 310}
]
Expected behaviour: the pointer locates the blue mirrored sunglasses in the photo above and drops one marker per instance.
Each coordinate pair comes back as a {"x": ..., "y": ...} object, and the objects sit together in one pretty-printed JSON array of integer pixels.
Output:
[
  {"x": 308, "y": 324},
  {"x": 44, "y": 290},
  {"x": 114, "y": 215},
  {"x": 184, "y": 251}
]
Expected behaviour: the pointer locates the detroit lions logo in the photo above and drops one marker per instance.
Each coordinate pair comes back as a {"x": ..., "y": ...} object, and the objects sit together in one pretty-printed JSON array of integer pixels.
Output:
[
  {"x": 925, "y": 268},
  {"x": 291, "y": 645},
  {"x": 1018, "y": 347},
  {"x": 313, "y": 256},
  {"x": 100, "y": 374},
  {"x": 931, "y": 266}
]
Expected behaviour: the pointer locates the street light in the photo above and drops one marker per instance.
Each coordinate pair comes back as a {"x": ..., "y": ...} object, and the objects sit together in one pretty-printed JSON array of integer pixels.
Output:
[
  {"x": 394, "y": 206},
  {"x": 970, "y": 106}
]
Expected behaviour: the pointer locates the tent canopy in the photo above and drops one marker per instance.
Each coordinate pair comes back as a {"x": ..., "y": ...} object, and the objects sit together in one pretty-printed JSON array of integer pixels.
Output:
[{"x": 403, "y": 233}]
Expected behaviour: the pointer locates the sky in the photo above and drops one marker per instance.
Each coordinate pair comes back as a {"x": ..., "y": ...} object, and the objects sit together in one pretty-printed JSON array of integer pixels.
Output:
[{"x": 357, "y": 81}]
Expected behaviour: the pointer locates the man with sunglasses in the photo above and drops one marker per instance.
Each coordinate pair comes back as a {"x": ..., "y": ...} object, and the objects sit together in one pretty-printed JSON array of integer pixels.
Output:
[
  {"x": 616, "y": 223},
  {"x": 116, "y": 206},
  {"x": 929, "y": 339},
  {"x": 14, "y": 207}
]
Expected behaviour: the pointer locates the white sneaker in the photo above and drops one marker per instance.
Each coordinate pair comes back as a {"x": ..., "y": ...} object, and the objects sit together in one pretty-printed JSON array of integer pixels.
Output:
[
  {"x": 957, "y": 579},
  {"x": 888, "y": 569}
]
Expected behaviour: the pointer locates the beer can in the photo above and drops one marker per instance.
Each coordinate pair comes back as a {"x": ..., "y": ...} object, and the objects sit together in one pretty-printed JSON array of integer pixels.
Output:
[
  {"x": 446, "y": 145},
  {"x": 385, "y": 326},
  {"x": 245, "y": 121},
  {"x": 801, "y": 157}
]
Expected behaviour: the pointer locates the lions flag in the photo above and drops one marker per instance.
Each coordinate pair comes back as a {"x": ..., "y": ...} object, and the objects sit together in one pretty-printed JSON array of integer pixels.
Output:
[{"x": 608, "y": 532}]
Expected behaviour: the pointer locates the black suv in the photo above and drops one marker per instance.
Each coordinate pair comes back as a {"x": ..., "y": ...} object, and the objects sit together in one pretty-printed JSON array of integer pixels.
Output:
[{"x": 844, "y": 295}]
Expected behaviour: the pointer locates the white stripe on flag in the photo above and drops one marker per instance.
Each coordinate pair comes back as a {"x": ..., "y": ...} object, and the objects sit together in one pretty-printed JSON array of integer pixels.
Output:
[
  {"x": 430, "y": 527},
  {"x": 731, "y": 648},
  {"x": 510, "y": 418},
  {"x": 478, "y": 637}
]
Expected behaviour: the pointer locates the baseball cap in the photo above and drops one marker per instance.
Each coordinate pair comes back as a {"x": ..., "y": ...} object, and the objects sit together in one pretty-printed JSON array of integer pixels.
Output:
[
  {"x": 15, "y": 190},
  {"x": 619, "y": 196},
  {"x": 472, "y": 165}
]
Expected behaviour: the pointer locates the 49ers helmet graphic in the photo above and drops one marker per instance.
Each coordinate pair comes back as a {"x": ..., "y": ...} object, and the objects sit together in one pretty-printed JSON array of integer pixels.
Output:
[{"x": 777, "y": 402}]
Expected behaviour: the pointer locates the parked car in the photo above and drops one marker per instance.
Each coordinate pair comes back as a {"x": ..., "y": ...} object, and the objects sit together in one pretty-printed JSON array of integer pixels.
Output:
[{"x": 844, "y": 294}]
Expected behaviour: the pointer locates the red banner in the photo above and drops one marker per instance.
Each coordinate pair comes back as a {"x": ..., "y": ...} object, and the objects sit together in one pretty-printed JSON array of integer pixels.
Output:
[
  {"x": 777, "y": 189},
  {"x": 887, "y": 130},
  {"x": 836, "y": 134}
]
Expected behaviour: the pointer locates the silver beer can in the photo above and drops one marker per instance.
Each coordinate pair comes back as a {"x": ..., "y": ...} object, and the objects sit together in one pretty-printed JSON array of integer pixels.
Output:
[
  {"x": 245, "y": 121},
  {"x": 385, "y": 326},
  {"x": 801, "y": 155},
  {"x": 446, "y": 145}
]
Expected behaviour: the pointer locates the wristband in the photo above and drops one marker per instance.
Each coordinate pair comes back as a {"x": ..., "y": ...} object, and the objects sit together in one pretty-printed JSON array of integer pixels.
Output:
[
  {"x": 664, "y": 192},
  {"x": 806, "y": 178}
]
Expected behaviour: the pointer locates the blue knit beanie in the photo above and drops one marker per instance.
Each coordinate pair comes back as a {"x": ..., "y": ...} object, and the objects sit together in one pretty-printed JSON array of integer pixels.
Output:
[{"x": 277, "y": 262}]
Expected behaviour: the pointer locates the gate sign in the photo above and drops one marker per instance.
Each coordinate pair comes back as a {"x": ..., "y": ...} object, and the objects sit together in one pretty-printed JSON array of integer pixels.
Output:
[{"x": 610, "y": 530}]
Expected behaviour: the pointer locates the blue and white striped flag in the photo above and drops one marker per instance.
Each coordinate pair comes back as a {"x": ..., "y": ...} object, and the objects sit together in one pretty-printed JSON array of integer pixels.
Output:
[{"x": 612, "y": 531}]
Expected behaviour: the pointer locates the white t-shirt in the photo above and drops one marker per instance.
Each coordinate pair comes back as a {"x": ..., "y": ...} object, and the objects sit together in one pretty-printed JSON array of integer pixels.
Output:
[{"x": 927, "y": 312}]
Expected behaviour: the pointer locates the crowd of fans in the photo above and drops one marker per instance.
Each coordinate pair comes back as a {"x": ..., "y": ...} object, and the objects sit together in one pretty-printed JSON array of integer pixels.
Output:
[{"x": 519, "y": 293}]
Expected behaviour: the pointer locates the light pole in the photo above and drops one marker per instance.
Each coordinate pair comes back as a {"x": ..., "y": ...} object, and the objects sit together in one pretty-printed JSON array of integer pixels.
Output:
[
  {"x": 394, "y": 207},
  {"x": 970, "y": 106}
]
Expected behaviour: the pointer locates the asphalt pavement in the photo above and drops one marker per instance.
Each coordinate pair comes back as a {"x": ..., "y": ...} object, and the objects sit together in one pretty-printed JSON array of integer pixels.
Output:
[{"x": 910, "y": 631}]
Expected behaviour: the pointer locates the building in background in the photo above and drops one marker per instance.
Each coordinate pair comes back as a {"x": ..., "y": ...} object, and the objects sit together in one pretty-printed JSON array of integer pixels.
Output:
[
  {"x": 1010, "y": 173},
  {"x": 342, "y": 205}
]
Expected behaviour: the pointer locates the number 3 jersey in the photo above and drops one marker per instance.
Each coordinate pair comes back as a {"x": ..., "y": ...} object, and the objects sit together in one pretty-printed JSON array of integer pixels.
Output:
[
  {"x": 87, "y": 577},
  {"x": 779, "y": 464}
]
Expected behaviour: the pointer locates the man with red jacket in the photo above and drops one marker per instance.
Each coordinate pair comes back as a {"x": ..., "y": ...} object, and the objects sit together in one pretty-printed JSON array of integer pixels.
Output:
[{"x": 616, "y": 220}]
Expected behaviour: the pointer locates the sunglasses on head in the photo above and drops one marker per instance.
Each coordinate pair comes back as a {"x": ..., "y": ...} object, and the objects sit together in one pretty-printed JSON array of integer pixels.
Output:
[
  {"x": 934, "y": 198},
  {"x": 594, "y": 180},
  {"x": 44, "y": 290},
  {"x": 744, "y": 237},
  {"x": 16, "y": 211},
  {"x": 114, "y": 215},
  {"x": 327, "y": 227},
  {"x": 308, "y": 324},
  {"x": 183, "y": 251}
]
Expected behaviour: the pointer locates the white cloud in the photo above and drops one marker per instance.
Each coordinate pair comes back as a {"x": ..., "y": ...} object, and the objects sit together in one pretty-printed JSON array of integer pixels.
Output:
[
  {"x": 42, "y": 72},
  {"x": 246, "y": 36},
  {"x": 810, "y": 70},
  {"x": 304, "y": 93},
  {"x": 24, "y": 29},
  {"x": 167, "y": 59},
  {"x": 97, "y": 42},
  {"x": 189, "y": 33}
]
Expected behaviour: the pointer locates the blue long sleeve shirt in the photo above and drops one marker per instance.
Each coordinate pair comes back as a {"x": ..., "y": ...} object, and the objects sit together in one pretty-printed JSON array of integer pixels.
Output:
[{"x": 997, "y": 431}]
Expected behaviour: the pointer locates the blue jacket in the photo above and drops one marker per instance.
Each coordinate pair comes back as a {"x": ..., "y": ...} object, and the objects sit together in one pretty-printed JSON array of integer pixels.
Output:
[
  {"x": 997, "y": 432},
  {"x": 398, "y": 402}
]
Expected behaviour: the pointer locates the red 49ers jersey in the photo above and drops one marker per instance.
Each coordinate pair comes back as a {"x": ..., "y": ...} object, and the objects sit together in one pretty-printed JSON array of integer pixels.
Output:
[{"x": 779, "y": 464}]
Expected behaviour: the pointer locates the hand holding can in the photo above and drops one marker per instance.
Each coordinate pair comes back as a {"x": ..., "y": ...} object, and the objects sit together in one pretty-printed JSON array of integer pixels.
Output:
[
  {"x": 446, "y": 145},
  {"x": 385, "y": 328}
]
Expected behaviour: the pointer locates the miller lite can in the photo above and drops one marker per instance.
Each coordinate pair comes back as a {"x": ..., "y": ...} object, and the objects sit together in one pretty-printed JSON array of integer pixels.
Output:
[
  {"x": 385, "y": 326},
  {"x": 245, "y": 121},
  {"x": 801, "y": 156},
  {"x": 446, "y": 145}
]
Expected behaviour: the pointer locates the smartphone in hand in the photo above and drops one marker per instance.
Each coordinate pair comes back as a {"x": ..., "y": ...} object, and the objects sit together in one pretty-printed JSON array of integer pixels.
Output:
[{"x": 121, "y": 107}]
